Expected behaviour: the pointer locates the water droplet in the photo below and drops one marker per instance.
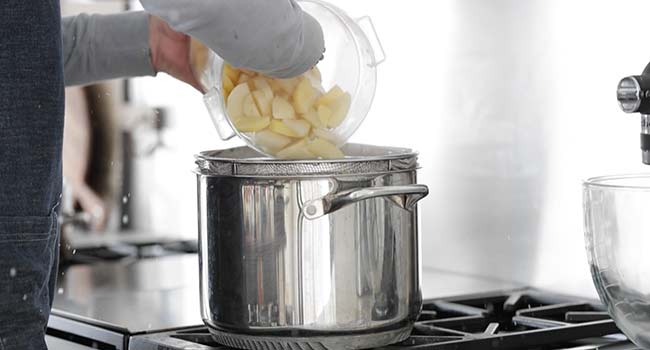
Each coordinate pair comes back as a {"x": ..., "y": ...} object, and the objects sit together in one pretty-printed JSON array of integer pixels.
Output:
[
  {"x": 24, "y": 297},
  {"x": 60, "y": 291},
  {"x": 125, "y": 219},
  {"x": 149, "y": 326},
  {"x": 74, "y": 251},
  {"x": 125, "y": 199},
  {"x": 12, "y": 272}
]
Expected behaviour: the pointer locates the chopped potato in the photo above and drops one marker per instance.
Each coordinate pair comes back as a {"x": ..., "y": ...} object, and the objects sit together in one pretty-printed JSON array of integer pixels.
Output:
[
  {"x": 227, "y": 86},
  {"x": 278, "y": 126},
  {"x": 263, "y": 102},
  {"x": 261, "y": 84},
  {"x": 231, "y": 72},
  {"x": 250, "y": 108},
  {"x": 287, "y": 85},
  {"x": 243, "y": 78},
  {"x": 312, "y": 117},
  {"x": 304, "y": 96},
  {"x": 235, "y": 105},
  {"x": 252, "y": 124},
  {"x": 297, "y": 150},
  {"x": 282, "y": 109},
  {"x": 324, "y": 149},
  {"x": 339, "y": 110},
  {"x": 325, "y": 135},
  {"x": 331, "y": 96},
  {"x": 288, "y": 118},
  {"x": 314, "y": 77},
  {"x": 324, "y": 114},
  {"x": 299, "y": 127},
  {"x": 270, "y": 141}
]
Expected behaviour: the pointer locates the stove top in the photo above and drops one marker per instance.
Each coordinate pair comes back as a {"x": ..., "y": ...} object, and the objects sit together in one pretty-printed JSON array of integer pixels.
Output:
[{"x": 518, "y": 319}]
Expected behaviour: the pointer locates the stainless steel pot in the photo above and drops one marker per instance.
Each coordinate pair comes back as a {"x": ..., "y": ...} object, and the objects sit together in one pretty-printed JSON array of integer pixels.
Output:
[{"x": 315, "y": 254}]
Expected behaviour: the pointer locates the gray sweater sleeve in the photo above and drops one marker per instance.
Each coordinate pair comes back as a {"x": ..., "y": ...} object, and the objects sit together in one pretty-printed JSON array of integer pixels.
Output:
[{"x": 99, "y": 47}]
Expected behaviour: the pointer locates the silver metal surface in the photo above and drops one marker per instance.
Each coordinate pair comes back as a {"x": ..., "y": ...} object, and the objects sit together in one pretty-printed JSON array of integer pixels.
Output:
[
  {"x": 340, "y": 342},
  {"x": 628, "y": 94},
  {"x": 359, "y": 160},
  {"x": 403, "y": 196},
  {"x": 130, "y": 296},
  {"x": 267, "y": 270},
  {"x": 645, "y": 124}
]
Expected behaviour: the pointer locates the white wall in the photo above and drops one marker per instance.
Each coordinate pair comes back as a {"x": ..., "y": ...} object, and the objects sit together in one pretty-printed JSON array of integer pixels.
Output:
[{"x": 511, "y": 103}]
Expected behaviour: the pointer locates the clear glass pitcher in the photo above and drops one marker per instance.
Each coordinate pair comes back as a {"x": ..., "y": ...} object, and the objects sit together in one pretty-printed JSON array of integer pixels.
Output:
[{"x": 353, "y": 52}]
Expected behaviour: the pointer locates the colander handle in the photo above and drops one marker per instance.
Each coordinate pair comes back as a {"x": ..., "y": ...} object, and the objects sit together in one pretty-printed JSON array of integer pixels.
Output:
[
  {"x": 404, "y": 196},
  {"x": 366, "y": 25},
  {"x": 212, "y": 100}
]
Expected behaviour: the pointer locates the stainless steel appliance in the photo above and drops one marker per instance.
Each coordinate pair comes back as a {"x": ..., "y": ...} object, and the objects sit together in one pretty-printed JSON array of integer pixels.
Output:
[
  {"x": 318, "y": 254},
  {"x": 633, "y": 95}
]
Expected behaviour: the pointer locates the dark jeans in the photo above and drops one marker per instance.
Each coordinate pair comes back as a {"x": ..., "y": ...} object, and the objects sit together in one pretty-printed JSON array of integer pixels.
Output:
[{"x": 31, "y": 131}]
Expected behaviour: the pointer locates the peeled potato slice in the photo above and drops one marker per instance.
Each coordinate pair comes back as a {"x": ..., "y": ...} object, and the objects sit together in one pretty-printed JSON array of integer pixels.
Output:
[
  {"x": 252, "y": 124},
  {"x": 235, "y": 107},
  {"x": 331, "y": 96},
  {"x": 270, "y": 141},
  {"x": 297, "y": 150},
  {"x": 278, "y": 126},
  {"x": 325, "y": 135},
  {"x": 324, "y": 114},
  {"x": 231, "y": 72},
  {"x": 250, "y": 108},
  {"x": 314, "y": 77},
  {"x": 243, "y": 78},
  {"x": 304, "y": 96},
  {"x": 227, "y": 86},
  {"x": 339, "y": 110},
  {"x": 299, "y": 127},
  {"x": 288, "y": 118},
  {"x": 312, "y": 117},
  {"x": 282, "y": 109},
  {"x": 263, "y": 102},
  {"x": 261, "y": 84},
  {"x": 287, "y": 85},
  {"x": 324, "y": 149}
]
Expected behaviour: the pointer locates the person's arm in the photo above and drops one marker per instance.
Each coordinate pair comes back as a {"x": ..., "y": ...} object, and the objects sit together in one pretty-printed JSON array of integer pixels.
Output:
[
  {"x": 273, "y": 37},
  {"x": 99, "y": 47}
]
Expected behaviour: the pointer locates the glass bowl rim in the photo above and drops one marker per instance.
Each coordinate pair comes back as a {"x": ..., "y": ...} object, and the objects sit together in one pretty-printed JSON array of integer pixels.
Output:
[{"x": 600, "y": 181}]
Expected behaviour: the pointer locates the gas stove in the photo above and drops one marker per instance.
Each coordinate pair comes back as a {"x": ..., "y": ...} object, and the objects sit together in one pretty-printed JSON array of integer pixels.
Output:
[
  {"x": 149, "y": 304},
  {"x": 517, "y": 319}
]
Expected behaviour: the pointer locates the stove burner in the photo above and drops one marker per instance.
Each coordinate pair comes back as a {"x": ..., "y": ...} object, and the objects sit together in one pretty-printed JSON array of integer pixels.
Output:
[{"x": 520, "y": 319}]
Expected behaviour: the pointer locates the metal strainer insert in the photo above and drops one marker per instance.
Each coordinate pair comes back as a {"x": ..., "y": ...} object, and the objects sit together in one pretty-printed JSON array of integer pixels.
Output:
[{"x": 360, "y": 160}]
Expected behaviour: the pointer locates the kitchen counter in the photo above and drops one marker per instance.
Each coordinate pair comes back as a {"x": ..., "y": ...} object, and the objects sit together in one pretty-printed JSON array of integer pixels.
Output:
[{"x": 163, "y": 293}]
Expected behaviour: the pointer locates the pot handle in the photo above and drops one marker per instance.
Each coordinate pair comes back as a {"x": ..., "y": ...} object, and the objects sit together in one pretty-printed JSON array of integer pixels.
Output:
[
  {"x": 212, "y": 100},
  {"x": 404, "y": 196}
]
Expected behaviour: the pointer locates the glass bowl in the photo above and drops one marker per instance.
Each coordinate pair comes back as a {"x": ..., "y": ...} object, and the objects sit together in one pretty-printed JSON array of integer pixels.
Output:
[
  {"x": 617, "y": 234},
  {"x": 353, "y": 52}
]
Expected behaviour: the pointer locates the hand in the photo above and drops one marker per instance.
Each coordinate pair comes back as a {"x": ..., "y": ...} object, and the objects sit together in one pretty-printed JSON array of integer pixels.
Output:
[
  {"x": 273, "y": 37},
  {"x": 170, "y": 52}
]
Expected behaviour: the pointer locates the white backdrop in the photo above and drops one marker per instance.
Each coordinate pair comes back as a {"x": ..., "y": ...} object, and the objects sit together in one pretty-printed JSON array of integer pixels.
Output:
[{"x": 510, "y": 102}]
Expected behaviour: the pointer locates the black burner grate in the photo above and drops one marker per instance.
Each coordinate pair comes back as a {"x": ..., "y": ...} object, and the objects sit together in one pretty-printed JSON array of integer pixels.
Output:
[{"x": 521, "y": 319}]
